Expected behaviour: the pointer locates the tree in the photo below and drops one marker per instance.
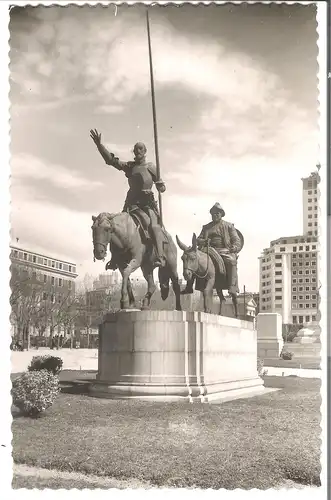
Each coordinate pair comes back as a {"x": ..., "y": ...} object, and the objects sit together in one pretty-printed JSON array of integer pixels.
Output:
[{"x": 25, "y": 296}]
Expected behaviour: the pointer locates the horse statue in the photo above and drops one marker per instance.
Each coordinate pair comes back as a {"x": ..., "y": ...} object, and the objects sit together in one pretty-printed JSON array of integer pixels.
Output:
[
  {"x": 130, "y": 251},
  {"x": 208, "y": 269}
]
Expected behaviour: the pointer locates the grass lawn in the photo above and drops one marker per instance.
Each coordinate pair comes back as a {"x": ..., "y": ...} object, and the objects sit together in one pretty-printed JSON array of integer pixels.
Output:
[{"x": 259, "y": 442}]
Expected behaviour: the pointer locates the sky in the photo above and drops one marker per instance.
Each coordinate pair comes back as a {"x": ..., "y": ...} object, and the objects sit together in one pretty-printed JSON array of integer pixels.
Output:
[{"x": 236, "y": 98}]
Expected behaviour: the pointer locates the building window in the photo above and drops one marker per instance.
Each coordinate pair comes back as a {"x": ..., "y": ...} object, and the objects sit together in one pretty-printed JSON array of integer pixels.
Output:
[
  {"x": 314, "y": 306},
  {"x": 300, "y": 306},
  {"x": 278, "y": 273},
  {"x": 300, "y": 264},
  {"x": 294, "y": 249},
  {"x": 310, "y": 224},
  {"x": 294, "y": 264},
  {"x": 278, "y": 297},
  {"x": 300, "y": 280},
  {"x": 34, "y": 259},
  {"x": 53, "y": 263},
  {"x": 313, "y": 280},
  {"x": 278, "y": 264},
  {"x": 60, "y": 265},
  {"x": 60, "y": 281},
  {"x": 307, "y": 297},
  {"x": 278, "y": 256},
  {"x": 300, "y": 297},
  {"x": 53, "y": 280},
  {"x": 307, "y": 319},
  {"x": 313, "y": 262},
  {"x": 310, "y": 232},
  {"x": 294, "y": 297},
  {"x": 294, "y": 289},
  {"x": 70, "y": 285},
  {"x": 294, "y": 319},
  {"x": 278, "y": 281},
  {"x": 294, "y": 280},
  {"x": 313, "y": 271},
  {"x": 307, "y": 288},
  {"x": 278, "y": 289},
  {"x": 282, "y": 249},
  {"x": 294, "y": 272},
  {"x": 307, "y": 271},
  {"x": 307, "y": 264},
  {"x": 25, "y": 256},
  {"x": 313, "y": 297},
  {"x": 314, "y": 248},
  {"x": 306, "y": 280},
  {"x": 307, "y": 306},
  {"x": 309, "y": 208},
  {"x": 313, "y": 318},
  {"x": 300, "y": 319},
  {"x": 70, "y": 269},
  {"x": 44, "y": 296},
  {"x": 45, "y": 278}
]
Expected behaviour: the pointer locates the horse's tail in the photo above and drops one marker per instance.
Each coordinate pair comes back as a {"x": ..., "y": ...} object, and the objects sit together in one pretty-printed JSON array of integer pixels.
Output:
[{"x": 164, "y": 279}]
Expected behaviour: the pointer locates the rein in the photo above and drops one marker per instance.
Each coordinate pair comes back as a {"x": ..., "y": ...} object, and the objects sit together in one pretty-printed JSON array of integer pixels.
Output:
[{"x": 206, "y": 273}]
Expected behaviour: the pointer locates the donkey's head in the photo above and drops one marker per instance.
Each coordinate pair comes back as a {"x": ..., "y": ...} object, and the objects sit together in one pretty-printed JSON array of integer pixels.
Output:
[
  {"x": 190, "y": 258},
  {"x": 101, "y": 228}
]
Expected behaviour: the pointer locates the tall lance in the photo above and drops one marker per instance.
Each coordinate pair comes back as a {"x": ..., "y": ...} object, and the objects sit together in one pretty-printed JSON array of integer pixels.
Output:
[{"x": 154, "y": 112}]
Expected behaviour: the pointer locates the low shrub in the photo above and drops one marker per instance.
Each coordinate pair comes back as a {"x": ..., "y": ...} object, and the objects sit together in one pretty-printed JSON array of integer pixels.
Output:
[
  {"x": 49, "y": 363},
  {"x": 286, "y": 355},
  {"x": 35, "y": 391}
]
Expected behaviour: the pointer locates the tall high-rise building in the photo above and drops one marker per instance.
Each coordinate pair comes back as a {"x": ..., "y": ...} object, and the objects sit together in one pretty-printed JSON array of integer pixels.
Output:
[
  {"x": 289, "y": 267},
  {"x": 310, "y": 204}
]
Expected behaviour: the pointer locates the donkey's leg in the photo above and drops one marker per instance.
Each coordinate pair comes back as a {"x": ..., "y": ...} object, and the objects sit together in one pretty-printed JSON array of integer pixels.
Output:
[
  {"x": 151, "y": 287},
  {"x": 208, "y": 295},
  {"x": 222, "y": 299},
  {"x": 176, "y": 288},
  {"x": 235, "y": 304},
  {"x": 132, "y": 266}
]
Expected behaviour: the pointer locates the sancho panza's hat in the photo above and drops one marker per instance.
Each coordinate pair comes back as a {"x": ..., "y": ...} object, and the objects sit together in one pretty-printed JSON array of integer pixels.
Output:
[{"x": 217, "y": 208}]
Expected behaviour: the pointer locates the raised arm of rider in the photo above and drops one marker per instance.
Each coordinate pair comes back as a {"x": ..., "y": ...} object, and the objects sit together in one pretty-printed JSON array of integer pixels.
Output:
[{"x": 110, "y": 158}]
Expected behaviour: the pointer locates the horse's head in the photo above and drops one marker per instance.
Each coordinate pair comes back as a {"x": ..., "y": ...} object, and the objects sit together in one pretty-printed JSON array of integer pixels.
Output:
[
  {"x": 190, "y": 258},
  {"x": 101, "y": 228}
]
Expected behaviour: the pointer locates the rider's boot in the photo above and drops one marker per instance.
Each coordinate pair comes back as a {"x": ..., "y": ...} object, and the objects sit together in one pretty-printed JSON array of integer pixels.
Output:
[{"x": 158, "y": 239}]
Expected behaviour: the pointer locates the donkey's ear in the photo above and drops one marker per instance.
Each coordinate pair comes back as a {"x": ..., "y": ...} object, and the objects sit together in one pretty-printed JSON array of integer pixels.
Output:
[
  {"x": 94, "y": 218},
  {"x": 181, "y": 245},
  {"x": 194, "y": 241}
]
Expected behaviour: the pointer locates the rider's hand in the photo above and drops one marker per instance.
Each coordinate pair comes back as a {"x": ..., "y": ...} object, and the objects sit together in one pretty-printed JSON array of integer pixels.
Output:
[
  {"x": 95, "y": 136},
  {"x": 160, "y": 186}
]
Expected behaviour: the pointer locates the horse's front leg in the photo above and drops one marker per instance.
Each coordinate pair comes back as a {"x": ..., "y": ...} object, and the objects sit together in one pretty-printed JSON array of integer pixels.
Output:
[
  {"x": 151, "y": 287},
  {"x": 208, "y": 295},
  {"x": 132, "y": 266}
]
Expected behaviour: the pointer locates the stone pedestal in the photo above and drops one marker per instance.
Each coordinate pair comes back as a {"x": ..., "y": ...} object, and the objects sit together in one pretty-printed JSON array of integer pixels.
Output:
[
  {"x": 269, "y": 335},
  {"x": 176, "y": 356}
]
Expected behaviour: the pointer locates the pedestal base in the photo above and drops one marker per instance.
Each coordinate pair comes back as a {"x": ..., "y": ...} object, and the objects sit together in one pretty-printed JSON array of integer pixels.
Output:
[{"x": 176, "y": 356}]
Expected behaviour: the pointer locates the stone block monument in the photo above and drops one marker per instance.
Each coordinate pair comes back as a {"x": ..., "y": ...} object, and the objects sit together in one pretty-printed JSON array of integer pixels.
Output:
[
  {"x": 176, "y": 356},
  {"x": 269, "y": 335}
]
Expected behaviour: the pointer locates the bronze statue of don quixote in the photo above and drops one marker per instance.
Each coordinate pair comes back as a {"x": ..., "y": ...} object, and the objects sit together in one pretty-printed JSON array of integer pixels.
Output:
[{"x": 137, "y": 237}]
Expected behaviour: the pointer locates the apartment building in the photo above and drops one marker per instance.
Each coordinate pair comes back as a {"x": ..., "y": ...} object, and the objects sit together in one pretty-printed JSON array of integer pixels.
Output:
[{"x": 289, "y": 267}]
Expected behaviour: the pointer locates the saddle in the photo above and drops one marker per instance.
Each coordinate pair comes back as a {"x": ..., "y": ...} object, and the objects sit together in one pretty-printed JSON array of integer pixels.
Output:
[{"x": 221, "y": 275}]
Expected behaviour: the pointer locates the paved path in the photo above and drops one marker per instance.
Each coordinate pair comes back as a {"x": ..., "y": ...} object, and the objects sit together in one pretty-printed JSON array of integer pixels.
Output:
[
  {"x": 286, "y": 372},
  {"x": 90, "y": 481},
  {"x": 73, "y": 359}
]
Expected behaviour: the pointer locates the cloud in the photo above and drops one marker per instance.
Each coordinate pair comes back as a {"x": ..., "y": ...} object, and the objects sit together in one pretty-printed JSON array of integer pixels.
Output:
[{"x": 24, "y": 166}]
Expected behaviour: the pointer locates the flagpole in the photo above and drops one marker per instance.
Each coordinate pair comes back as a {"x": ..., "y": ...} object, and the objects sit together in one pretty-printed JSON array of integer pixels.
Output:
[{"x": 154, "y": 112}]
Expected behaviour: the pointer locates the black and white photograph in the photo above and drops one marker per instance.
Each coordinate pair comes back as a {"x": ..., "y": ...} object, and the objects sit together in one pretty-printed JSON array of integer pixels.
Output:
[{"x": 167, "y": 200}]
